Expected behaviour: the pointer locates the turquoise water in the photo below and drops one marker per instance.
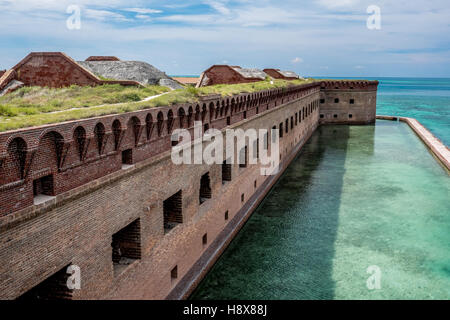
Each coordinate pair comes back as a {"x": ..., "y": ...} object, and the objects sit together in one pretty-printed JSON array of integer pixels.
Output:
[
  {"x": 356, "y": 196},
  {"x": 427, "y": 100}
]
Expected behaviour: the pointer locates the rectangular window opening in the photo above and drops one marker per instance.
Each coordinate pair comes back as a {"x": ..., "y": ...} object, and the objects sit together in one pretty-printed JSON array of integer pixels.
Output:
[
  {"x": 43, "y": 186},
  {"x": 205, "y": 240},
  {"x": 127, "y": 157},
  {"x": 205, "y": 188},
  {"x": 243, "y": 156},
  {"x": 174, "y": 274},
  {"x": 52, "y": 288},
  {"x": 173, "y": 211},
  {"x": 126, "y": 246},
  {"x": 226, "y": 171}
]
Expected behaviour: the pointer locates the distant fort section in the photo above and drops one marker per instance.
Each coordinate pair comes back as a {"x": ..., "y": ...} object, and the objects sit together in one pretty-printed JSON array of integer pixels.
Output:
[{"x": 102, "y": 193}]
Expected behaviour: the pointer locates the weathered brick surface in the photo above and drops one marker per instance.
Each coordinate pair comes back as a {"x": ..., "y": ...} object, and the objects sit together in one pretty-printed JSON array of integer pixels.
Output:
[
  {"x": 223, "y": 74},
  {"x": 274, "y": 73},
  {"x": 56, "y": 70},
  {"x": 352, "y": 102},
  {"x": 96, "y": 198}
]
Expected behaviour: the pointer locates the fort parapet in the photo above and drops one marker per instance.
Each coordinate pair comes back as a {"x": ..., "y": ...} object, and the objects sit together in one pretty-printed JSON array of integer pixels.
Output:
[{"x": 103, "y": 194}]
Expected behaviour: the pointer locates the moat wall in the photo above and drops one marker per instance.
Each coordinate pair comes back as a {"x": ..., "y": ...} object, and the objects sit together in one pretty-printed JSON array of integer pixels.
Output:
[{"x": 95, "y": 196}]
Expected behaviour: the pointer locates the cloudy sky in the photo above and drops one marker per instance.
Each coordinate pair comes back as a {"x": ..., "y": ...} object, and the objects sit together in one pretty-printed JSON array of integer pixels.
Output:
[{"x": 315, "y": 37}]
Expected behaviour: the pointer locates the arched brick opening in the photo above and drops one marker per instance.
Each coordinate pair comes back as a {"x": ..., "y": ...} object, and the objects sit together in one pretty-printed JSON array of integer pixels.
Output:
[
  {"x": 149, "y": 125},
  {"x": 99, "y": 132},
  {"x": 204, "y": 112},
  {"x": 181, "y": 117},
  {"x": 15, "y": 164},
  {"x": 170, "y": 121},
  {"x": 79, "y": 136},
  {"x": 160, "y": 123},
  {"x": 197, "y": 113},
  {"x": 134, "y": 124},
  {"x": 190, "y": 116},
  {"x": 117, "y": 130}
]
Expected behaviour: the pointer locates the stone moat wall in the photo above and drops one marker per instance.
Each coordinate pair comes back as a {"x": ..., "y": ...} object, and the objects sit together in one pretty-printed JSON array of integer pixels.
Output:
[{"x": 103, "y": 193}]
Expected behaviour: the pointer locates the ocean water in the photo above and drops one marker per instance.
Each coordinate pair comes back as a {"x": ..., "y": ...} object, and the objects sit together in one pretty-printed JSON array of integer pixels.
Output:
[
  {"x": 357, "y": 198},
  {"x": 427, "y": 100}
]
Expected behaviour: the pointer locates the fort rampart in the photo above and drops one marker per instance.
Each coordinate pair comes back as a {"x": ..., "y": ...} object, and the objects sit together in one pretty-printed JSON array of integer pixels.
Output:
[{"x": 103, "y": 193}]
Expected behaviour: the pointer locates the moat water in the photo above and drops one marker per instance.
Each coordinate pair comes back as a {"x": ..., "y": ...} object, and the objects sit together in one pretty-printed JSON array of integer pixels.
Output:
[{"x": 355, "y": 197}]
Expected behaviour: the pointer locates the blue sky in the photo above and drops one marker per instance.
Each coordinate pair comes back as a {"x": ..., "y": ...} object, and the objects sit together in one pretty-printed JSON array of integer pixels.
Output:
[{"x": 316, "y": 37}]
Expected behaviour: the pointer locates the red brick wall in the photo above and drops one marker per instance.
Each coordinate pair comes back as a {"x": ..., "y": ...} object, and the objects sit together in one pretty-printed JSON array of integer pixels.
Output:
[
  {"x": 276, "y": 75},
  {"x": 352, "y": 102},
  {"x": 225, "y": 75},
  {"x": 53, "y": 71},
  {"x": 273, "y": 73}
]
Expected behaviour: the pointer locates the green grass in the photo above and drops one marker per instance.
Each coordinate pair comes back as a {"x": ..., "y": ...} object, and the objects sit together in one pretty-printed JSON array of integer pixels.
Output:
[{"x": 33, "y": 106}]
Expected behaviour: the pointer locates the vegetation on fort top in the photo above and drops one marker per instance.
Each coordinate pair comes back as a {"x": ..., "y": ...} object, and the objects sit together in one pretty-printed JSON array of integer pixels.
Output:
[{"x": 33, "y": 106}]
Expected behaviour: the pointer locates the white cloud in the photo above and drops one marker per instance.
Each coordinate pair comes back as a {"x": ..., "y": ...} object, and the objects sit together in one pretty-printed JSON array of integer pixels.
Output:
[
  {"x": 297, "y": 60},
  {"x": 143, "y": 17},
  {"x": 219, "y": 7},
  {"x": 143, "y": 10},
  {"x": 333, "y": 4},
  {"x": 103, "y": 15}
]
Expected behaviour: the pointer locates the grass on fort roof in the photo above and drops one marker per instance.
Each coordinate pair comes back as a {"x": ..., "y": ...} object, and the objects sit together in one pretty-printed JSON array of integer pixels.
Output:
[{"x": 34, "y": 106}]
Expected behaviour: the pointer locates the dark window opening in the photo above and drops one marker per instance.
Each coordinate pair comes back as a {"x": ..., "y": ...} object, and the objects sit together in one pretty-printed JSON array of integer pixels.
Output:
[
  {"x": 266, "y": 140},
  {"x": 174, "y": 273},
  {"x": 322, "y": 100},
  {"x": 127, "y": 156},
  {"x": 335, "y": 116},
  {"x": 174, "y": 139},
  {"x": 243, "y": 155},
  {"x": 173, "y": 211},
  {"x": 205, "y": 188},
  {"x": 245, "y": 114},
  {"x": 336, "y": 100},
  {"x": 228, "y": 121},
  {"x": 287, "y": 125},
  {"x": 43, "y": 186},
  {"x": 205, "y": 127},
  {"x": 257, "y": 110},
  {"x": 350, "y": 116},
  {"x": 281, "y": 130},
  {"x": 255, "y": 184},
  {"x": 257, "y": 148},
  {"x": 226, "y": 216},
  {"x": 126, "y": 246},
  {"x": 322, "y": 116},
  {"x": 352, "y": 101},
  {"x": 292, "y": 123},
  {"x": 242, "y": 197},
  {"x": 226, "y": 171},
  {"x": 205, "y": 239},
  {"x": 53, "y": 288}
]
